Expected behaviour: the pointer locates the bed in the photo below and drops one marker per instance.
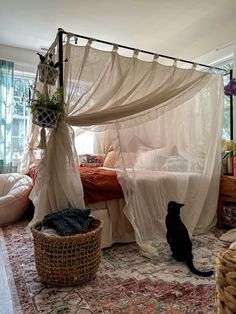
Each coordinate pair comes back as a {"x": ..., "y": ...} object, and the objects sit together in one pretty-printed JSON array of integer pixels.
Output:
[
  {"x": 159, "y": 187},
  {"x": 104, "y": 196},
  {"x": 148, "y": 107}
]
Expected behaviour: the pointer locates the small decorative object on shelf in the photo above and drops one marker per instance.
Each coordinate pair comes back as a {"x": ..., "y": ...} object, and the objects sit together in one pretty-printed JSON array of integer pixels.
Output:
[
  {"x": 228, "y": 152},
  {"x": 234, "y": 164},
  {"x": 227, "y": 201},
  {"x": 229, "y": 213}
]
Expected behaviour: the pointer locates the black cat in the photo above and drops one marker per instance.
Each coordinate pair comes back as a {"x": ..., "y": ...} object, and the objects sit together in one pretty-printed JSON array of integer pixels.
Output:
[{"x": 178, "y": 239}]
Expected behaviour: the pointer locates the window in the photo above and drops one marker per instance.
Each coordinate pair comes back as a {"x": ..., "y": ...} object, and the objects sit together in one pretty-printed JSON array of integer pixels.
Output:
[
  {"x": 228, "y": 65},
  {"x": 20, "y": 112},
  {"x": 14, "y": 112},
  {"x": 84, "y": 143},
  {"x": 226, "y": 125}
]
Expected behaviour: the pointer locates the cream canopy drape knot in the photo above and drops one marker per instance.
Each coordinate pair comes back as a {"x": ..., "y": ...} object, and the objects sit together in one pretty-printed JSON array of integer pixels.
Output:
[
  {"x": 58, "y": 184},
  {"x": 173, "y": 118}
]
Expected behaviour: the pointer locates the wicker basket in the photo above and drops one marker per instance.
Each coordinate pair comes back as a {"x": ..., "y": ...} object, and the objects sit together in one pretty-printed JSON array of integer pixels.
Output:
[
  {"x": 47, "y": 74},
  {"x": 226, "y": 282},
  {"x": 46, "y": 117},
  {"x": 69, "y": 260}
]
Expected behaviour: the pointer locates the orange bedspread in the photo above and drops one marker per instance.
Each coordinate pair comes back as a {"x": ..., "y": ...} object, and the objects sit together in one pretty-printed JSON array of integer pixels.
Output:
[{"x": 100, "y": 184}]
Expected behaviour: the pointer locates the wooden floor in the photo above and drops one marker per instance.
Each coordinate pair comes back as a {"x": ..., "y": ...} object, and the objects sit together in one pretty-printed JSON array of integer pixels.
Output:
[{"x": 6, "y": 306}]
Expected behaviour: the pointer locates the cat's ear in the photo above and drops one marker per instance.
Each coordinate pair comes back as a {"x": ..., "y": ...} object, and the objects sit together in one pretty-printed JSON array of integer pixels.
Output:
[{"x": 171, "y": 205}]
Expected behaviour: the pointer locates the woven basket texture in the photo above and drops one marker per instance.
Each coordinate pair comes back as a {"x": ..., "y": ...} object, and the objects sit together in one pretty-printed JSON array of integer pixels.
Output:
[
  {"x": 46, "y": 117},
  {"x": 226, "y": 282},
  {"x": 47, "y": 74},
  {"x": 68, "y": 260}
]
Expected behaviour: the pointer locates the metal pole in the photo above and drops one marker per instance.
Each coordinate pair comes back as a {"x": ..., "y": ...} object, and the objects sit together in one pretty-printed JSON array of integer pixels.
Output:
[
  {"x": 144, "y": 51},
  {"x": 231, "y": 109},
  {"x": 60, "y": 55}
]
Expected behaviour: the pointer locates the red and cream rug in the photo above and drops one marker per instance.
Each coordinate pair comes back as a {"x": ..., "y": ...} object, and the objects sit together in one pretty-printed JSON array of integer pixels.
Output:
[{"x": 125, "y": 282}]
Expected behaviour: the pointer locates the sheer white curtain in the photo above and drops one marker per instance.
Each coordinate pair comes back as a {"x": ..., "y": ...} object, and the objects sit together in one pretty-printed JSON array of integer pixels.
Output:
[
  {"x": 181, "y": 162},
  {"x": 166, "y": 124}
]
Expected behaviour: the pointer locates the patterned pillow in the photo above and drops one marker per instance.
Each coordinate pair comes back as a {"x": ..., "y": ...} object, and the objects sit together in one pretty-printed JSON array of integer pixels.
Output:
[{"x": 91, "y": 160}]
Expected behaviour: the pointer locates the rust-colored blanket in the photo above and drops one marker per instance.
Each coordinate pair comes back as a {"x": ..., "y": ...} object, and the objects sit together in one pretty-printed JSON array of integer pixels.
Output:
[{"x": 100, "y": 184}]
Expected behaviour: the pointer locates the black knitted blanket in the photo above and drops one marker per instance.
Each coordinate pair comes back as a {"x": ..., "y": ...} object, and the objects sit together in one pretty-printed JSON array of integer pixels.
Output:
[{"x": 68, "y": 221}]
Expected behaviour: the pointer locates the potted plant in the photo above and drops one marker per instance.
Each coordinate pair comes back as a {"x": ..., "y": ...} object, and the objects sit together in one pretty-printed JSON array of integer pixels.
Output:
[
  {"x": 228, "y": 148},
  {"x": 47, "y": 110},
  {"x": 47, "y": 69}
]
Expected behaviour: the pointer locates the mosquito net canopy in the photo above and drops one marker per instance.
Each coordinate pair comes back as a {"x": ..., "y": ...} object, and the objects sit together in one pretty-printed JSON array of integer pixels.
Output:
[{"x": 165, "y": 123}]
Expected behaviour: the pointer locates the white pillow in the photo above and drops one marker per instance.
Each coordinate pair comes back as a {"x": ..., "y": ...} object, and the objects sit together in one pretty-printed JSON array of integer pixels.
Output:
[
  {"x": 112, "y": 161},
  {"x": 154, "y": 159},
  {"x": 175, "y": 163},
  {"x": 127, "y": 160}
]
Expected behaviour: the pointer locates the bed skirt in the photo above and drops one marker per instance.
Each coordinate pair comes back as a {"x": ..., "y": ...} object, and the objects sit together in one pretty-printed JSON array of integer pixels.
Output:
[{"x": 116, "y": 227}]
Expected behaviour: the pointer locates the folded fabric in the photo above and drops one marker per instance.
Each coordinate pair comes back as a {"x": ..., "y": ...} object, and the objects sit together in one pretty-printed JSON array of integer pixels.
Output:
[
  {"x": 232, "y": 246},
  {"x": 229, "y": 236},
  {"x": 68, "y": 221}
]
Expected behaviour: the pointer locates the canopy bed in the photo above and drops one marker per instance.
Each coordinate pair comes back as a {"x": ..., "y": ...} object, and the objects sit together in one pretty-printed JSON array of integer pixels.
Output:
[{"x": 165, "y": 123}]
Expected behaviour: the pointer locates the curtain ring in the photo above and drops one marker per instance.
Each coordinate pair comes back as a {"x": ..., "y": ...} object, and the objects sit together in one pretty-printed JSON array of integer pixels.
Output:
[
  {"x": 175, "y": 62},
  {"x": 76, "y": 40},
  {"x": 156, "y": 57},
  {"x": 194, "y": 66},
  {"x": 89, "y": 42},
  {"x": 136, "y": 52},
  {"x": 115, "y": 48},
  {"x": 210, "y": 69},
  {"x": 69, "y": 35}
]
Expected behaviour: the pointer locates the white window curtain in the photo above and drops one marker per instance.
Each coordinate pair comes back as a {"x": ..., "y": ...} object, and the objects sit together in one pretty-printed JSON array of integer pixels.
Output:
[
  {"x": 166, "y": 124},
  {"x": 6, "y": 108}
]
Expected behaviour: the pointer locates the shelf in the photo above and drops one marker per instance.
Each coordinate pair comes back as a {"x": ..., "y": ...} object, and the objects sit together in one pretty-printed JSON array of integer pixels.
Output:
[{"x": 227, "y": 195}]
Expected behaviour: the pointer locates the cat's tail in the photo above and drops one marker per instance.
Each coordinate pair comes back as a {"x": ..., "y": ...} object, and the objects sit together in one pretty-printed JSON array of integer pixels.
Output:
[{"x": 198, "y": 272}]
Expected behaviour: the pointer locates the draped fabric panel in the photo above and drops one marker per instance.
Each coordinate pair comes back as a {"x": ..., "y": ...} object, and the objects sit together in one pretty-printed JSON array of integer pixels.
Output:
[
  {"x": 180, "y": 161},
  {"x": 103, "y": 86},
  {"x": 165, "y": 123},
  {"x": 58, "y": 183}
]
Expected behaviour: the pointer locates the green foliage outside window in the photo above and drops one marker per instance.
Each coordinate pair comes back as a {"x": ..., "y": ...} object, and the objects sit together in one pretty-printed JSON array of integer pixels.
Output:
[{"x": 226, "y": 125}]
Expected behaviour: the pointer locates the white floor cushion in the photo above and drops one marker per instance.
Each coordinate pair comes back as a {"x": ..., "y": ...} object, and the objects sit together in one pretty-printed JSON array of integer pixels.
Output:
[{"x": 14, "y": 196}]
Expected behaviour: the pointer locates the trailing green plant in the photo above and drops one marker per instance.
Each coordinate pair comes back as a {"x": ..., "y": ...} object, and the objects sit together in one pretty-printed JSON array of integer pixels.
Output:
[
  {"x": 225, "y": 155},
  {"x": 228, "y": 149},
  {"x": 43, "y": 100}
]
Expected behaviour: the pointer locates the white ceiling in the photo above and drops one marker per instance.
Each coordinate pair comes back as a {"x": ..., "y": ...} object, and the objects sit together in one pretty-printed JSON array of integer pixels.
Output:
[{"x": 181, "y": 28}]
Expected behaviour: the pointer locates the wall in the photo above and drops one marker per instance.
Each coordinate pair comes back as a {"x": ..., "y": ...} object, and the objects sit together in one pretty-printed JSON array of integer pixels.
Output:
[
  {"x": 25, "y": 60},
  {"x": 219, "y": 55}
]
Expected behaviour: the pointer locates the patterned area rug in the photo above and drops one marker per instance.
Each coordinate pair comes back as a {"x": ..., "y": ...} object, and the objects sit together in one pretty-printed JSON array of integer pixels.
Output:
[{"x": 125, "y": 282}]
